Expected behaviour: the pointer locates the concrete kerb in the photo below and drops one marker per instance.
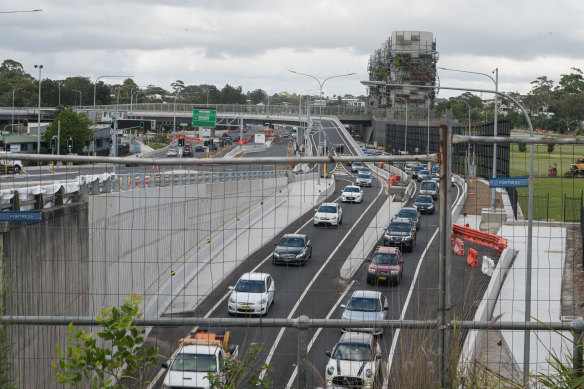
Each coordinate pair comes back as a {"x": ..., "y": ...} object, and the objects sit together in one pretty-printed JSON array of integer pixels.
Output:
[
  {"x": 474, "y": 339},
  {"x": 208, "y": 273}
]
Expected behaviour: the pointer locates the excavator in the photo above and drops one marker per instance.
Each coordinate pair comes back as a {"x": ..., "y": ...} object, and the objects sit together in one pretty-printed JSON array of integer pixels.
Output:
[{"x": 577, "y": 168}]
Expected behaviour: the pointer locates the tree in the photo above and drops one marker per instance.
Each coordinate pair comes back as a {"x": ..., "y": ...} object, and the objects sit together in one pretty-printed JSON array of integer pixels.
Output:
[
  {"x": 231, "y": 95},
  {"x": 257, "y": 96},
  {"x": 11, "y": 66},
  {"x": 540, "y": 95},
  {"x": 550, "y": 148},
  {"x": 178, "y": 86},
  {"x": 72, "y": 126},
  {"x": 121, "y": 356}
]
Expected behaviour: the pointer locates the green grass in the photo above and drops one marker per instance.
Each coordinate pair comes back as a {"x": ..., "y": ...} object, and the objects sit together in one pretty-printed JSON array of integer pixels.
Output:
[
  {"x": 157, "y": 146},
  {"x": 545, "y": 186}
]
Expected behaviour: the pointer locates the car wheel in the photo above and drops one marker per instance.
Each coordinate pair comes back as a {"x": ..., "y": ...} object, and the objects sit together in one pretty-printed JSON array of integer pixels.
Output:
[
  {"x": 16, "y": 169},
  {"x": 369, "y": 280}
]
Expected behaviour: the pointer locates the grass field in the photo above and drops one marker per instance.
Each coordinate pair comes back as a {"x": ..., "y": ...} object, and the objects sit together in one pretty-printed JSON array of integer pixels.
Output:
[{"x": 554, "y": 187}]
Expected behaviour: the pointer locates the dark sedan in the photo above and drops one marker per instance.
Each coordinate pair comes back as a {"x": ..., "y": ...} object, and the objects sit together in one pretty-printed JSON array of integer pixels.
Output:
[
  {"x": 292, "y": 249},
  {"x": 425, "y": 204}
]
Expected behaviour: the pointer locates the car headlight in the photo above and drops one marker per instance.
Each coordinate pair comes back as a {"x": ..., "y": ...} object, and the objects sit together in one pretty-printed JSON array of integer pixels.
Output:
[
  {"x": 368, "y": 373},
  {"x": 371, "y": 271},
  {"x": 394, "y": 272},
  {"x": 299, "y": 255},
  {"x": 330, "y": 370},
  {"x": 276, "y": 255},
  {"x": 232, "y": 299},
  {"x": 333, "y": 217},
  {"x": 264, "y": 300}
]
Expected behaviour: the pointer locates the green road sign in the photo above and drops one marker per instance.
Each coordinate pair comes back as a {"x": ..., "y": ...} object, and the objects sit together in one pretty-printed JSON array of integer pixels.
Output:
[
  {"x": 204, "y": 117},
  {"x": 184, "y": 124}
]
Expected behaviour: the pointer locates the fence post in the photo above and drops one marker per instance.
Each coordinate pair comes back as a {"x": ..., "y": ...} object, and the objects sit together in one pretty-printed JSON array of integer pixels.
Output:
[
  {"x": 303, "y": 322},
  {"x": 578, "y": 330}
]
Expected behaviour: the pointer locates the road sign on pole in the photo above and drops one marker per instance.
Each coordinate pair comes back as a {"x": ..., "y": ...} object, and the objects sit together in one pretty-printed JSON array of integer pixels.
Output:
[
  {"x": 204, "y": 118},
  {"x": 508, "y": 182}
]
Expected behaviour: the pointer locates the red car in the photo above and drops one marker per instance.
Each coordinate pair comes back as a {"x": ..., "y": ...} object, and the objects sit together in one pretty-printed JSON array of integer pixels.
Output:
[{"x": 386, "y": 265}]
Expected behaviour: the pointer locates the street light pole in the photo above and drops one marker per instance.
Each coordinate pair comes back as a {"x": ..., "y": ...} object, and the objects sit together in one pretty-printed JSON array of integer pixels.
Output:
[
  {"x": 320, "y": 85},
  {"x": 495, "y": 119},
  {"x": 468, "y": 144},
  {"x": 59, "y": 86},
  {"x": 428, "y": 140},
  {"x": 406, "y": 132},
  {"x": 95, "y": 88},
  {"x": 132, "y": 98},
  {"x": 13, "y": 90},
  {"x": 40, "y": 67},
  {"x": 208, "y": 90},
  {"x": 80, "y": 96}
]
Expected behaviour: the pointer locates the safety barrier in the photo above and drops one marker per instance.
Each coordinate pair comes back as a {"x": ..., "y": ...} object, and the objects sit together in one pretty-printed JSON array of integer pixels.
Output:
[
  {"x": 458, "y": 247},
  {"x": 495, "y": 241},
  {"x": 473, "y": 258}
]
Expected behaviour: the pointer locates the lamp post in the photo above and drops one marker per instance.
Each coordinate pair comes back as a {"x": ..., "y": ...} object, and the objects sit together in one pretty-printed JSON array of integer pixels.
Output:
[
  {"x": 80, "y": 96},
  {"x": 132, "y": 98},
  {"x": 406, "y": 132},
  {"x": 40, "y": 67},
  {"x": 95, "y": 87},
  {"x": 13, "y": 90},
  {"x": 59, "y": 86},
  {"x": 495, "y": 119},
  {"x": 174, "y": 120},
  {"x": 468, "y": 144},
  {"x": 320, "y": 85},
  {"x": 428, "y": 140},
  {"x": 208, "y": 90}
]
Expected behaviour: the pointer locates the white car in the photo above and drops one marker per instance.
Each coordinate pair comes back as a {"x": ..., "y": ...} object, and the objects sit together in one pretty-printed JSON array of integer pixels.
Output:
[
  {"x": 363, "y": 179},
  {"x": 352, "y": 193},
  {"x": 355, "y": 362},
  {"x": 172, "y": 153},
  {"x": 253, "y": 294},
  {"x": 366, "y": 305},
  {"x": 13, "y": 165},
  {"x": 328, "y": 213}
]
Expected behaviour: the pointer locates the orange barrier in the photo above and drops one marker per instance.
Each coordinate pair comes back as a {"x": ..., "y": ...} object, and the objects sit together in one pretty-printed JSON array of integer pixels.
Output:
[
  {"x": 473, "y": 258},
  {"x": 146, "y": 181},
  {"x": 495, "y": 241},
  {"x": 459, "y": 247},
  {"x": 391, "y": 179},
  {"x": 381, "y": 165}
]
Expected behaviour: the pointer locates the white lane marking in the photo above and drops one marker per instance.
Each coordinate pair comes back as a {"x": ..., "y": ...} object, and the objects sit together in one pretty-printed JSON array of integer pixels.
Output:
[
  {"x": 405, "y": 307},
  {"x": 162, "y": 371},
  {"x": 319, "y": 330},
  {"x": 307, "y": 288}
]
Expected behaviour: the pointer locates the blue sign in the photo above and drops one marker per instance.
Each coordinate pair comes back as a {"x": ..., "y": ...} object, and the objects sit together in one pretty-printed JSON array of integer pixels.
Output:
[
  {"x": 21, "y": 216},
  {"x": 508, "y": 182}
]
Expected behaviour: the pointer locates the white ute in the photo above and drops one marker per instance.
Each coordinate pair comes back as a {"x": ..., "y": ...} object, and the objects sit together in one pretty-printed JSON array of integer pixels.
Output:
[
  {"x": 13, "y": 165},
  {"x": 197, "y": 356}
]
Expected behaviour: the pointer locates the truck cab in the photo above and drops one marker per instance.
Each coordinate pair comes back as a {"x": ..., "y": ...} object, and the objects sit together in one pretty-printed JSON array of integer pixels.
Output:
[{"x": 197, "y": 356}]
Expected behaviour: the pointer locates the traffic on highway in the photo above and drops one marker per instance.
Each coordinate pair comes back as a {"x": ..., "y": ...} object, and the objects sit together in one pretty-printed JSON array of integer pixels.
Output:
[{"x": 299, "y": 274}]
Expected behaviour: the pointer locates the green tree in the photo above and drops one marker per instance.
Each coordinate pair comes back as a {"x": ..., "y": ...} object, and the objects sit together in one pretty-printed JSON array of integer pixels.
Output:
[
  {"x": 541, "y": 94},
  {"x": 73, "y": 125},
  {"x": 550, "y": 148},
  {"x": 121, "y": 356},
  {"x": 257, "y": 96},
  {"x": 522, "y": 147}
]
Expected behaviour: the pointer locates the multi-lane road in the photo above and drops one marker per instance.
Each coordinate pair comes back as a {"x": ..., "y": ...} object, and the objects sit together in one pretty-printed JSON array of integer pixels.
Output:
[{"x": 316, "y": 289}]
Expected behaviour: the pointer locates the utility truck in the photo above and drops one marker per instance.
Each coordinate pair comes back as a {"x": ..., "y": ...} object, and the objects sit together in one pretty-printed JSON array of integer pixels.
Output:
[{"x": 199, "y": 354}]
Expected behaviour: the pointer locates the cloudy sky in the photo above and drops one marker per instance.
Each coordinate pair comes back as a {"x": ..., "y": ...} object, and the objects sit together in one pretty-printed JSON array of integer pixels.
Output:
[{"x": 253, "y": 43}]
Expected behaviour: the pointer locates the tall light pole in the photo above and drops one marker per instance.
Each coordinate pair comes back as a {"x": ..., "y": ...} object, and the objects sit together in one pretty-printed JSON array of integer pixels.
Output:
[
  {"x": 468, "y": 144},
  {"x": 495, "y": 119},
  {"x": 80, "y": 96},
  {"x": 40, "y": 67},
  {"x": 208, "y": 90},
  {"x": 174, "y": 120},
  {"x": 132, "y": 98},
  {"x": 59, "y": 86},
  {"x": 95, "y": 88},
  {"x": 13, "y": 90},
  {"x": 428, "y": 140},
  {"x": 406, "y": 132},
  {"x": 320, "y": 85}
]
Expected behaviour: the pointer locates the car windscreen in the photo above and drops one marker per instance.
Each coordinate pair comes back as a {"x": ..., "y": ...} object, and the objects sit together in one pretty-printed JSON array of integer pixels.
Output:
[
  {"x": 250, "y": 286},
  {"x": 327, "y": 209},
  {"x": 399, "y": 227},
  {"x": 423, "y": 199},
  {"x": 425, "y": 172},
  {"x": 426, "y": 185},
  {"x": 351, "y": 189},
  {"x": 353, "y": 352},
  {"x": 365, "y": 176},
  {"x": 357, "y": 164},
  {"x": 408, "y": 213},
  {"x": 364, "y": 304},
  {"x": 194, "y": 362},
  {"x": 289, "y": 241},
  {"x": 385, "y": 259}
]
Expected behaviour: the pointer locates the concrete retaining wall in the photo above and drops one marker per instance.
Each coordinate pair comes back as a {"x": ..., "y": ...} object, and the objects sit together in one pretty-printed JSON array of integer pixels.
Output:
[
  {"x": 137, "y": 238},
  {"x": 47, "y": 263}
]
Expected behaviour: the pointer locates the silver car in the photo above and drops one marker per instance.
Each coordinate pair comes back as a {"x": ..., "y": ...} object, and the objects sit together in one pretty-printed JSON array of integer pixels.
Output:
[
  {"x": 366, "y": 305},
  {"x": 363, "y": 180}
]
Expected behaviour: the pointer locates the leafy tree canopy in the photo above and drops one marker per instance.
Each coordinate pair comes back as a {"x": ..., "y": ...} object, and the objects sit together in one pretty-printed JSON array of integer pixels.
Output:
[{"x": 72, "y": 125}]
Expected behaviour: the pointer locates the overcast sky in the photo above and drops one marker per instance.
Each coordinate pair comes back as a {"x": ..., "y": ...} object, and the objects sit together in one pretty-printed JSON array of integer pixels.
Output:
[{"x": 253, "y": 43}]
